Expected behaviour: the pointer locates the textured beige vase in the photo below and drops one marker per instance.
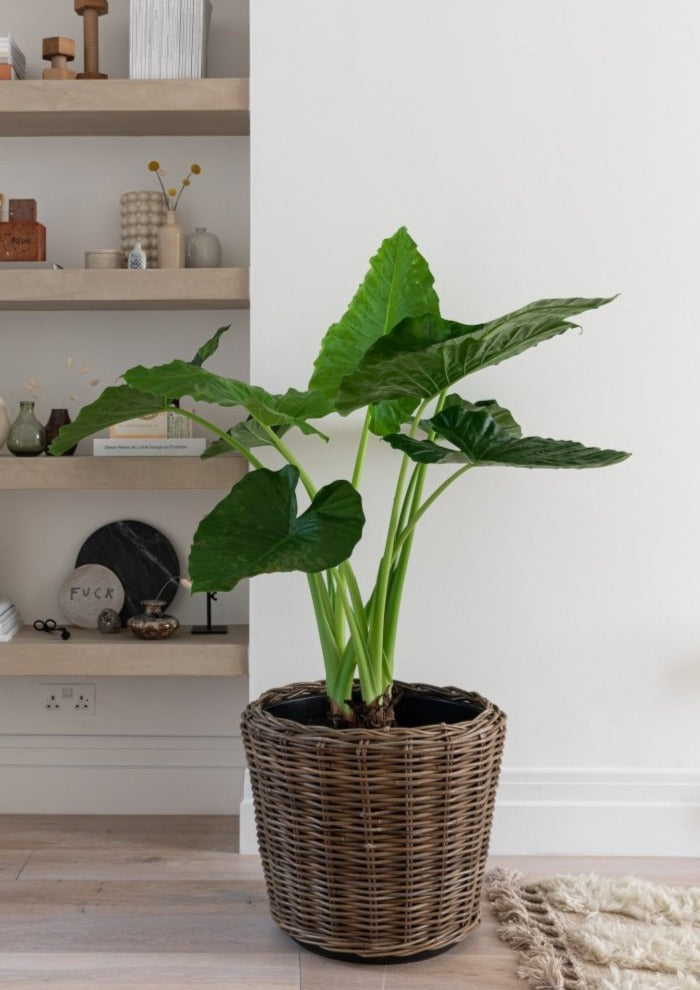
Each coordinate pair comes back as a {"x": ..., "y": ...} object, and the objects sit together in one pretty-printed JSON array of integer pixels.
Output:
[{"x": 171, "y": 243}]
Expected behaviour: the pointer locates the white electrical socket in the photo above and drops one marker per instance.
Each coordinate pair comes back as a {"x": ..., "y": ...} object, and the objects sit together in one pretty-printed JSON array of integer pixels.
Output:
[{"x": 68, "y": 700}]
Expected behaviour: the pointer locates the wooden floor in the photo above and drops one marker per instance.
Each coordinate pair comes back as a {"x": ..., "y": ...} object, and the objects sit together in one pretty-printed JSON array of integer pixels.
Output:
[{"x": 114, "y": 902}]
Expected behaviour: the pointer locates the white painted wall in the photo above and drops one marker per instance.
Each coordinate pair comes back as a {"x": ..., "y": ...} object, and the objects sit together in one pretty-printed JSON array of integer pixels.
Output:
[
  {"x": 533, "y": 149},
  {"x": 154, "y": 745}
]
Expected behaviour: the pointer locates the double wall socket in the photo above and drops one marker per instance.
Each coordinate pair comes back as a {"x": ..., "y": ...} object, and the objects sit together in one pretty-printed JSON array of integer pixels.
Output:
[{"x": 67, "y": 700}]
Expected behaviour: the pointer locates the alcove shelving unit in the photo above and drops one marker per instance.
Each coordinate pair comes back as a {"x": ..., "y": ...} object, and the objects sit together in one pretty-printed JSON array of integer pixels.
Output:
[{"x": 101, "y": 108}]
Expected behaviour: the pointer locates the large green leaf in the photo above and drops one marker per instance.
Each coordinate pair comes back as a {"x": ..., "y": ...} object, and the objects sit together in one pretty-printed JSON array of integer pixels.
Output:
[
  {"x": 255, "y": 530},
  {"x": 179, "y": 378},
  {"x": 248, "y": 434},
  {"x": 398, "y": 285},
  {"x": 424, "y": 355},
  {"x": 116, "y": 404},
  {"x": 480, "y": 440}
]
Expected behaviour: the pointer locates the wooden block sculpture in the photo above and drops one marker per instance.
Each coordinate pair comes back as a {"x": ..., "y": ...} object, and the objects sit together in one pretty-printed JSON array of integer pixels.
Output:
[
  {"x": 90, "y": 11},
  {"x": 22, "y": 238},
  {"x": 58, "y": 51}
]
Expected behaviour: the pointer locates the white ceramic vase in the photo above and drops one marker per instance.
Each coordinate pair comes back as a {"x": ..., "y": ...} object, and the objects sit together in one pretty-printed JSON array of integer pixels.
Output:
[
  {"x": 5, "y": 423},
  {"x": 203, "y": 249}
]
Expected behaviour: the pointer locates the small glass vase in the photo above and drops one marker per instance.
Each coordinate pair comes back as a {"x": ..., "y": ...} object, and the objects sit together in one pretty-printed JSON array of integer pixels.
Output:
[
  {"x": 171, "y": 243},
  {"x": 153, "y": 624},
  {"x": 57, "y": 419},
  {"x": 203, "y": 249},
  {"x": 27, "y": 436}
]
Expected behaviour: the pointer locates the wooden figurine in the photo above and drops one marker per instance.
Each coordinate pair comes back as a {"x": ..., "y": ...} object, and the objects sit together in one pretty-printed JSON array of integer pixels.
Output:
[
  {"x": 58, "y": 51},
  {"x": 22, "y": 237},
  {"x": 90, "y": 11}
]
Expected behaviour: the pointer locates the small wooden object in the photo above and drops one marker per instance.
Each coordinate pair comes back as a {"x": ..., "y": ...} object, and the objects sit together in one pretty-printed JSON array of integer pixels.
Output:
[
  {"x": 90, "y": 11},
  {"x": 58, "y": 51},
  {"x": 7, "y": 71},
  {"x": 23, "y": 209},
  {"x": 22, "y": 241}
]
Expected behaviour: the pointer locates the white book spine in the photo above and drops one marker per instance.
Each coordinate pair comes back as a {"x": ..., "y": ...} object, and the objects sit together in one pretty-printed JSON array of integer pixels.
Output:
[{"x": 105, "y": 447}]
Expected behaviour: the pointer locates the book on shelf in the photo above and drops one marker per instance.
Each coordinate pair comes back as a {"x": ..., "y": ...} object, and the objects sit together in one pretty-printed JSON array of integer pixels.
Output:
[
  {"x": 168, "y": 39},
  {"x": 148, "y": 447},
  {"x": 167, "y": 425},
  {"x": 13, "y": 57}
]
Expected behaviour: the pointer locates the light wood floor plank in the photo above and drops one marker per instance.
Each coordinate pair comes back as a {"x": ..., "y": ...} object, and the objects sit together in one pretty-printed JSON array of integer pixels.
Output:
[
  {"x": 148, "y": 903},
  {"x": 149, "y": 970}
]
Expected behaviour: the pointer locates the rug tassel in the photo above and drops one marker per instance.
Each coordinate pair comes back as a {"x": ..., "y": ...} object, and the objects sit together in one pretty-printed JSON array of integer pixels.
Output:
[{"x": 538, "y": 963}]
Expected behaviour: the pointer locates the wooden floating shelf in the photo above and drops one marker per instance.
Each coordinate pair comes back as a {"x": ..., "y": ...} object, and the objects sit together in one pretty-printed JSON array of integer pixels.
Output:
[
  {"x": 46, "y": 473},
  {"x": 120, "y": 289},
  {"x": 89, "y": 653},
  {"x": 131, "y": 107}
]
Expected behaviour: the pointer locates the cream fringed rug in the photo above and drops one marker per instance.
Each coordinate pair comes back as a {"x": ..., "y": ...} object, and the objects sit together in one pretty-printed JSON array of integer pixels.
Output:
[{"x": 595, "y": 933}]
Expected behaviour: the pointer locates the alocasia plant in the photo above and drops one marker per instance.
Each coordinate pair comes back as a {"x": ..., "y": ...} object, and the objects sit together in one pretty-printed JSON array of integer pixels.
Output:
[{"x": 395, "y": 356}]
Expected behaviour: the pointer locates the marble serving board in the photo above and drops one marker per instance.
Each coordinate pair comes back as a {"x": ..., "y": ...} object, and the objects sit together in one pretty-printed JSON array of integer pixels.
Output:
[{"x": 140, "y": 555}]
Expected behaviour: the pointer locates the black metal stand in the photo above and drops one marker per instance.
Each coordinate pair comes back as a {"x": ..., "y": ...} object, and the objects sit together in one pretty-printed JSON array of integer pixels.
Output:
[{"x": 209, "y": 628}]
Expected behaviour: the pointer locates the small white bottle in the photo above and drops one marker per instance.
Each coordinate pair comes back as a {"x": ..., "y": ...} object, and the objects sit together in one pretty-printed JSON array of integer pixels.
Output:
[{"x": 137, "y": 257}]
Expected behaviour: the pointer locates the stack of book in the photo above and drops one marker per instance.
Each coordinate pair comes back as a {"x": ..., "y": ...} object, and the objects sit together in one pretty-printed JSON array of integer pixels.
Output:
[
  {"x": 12, "y": 60},
  {"x": 164, "y": 434},
  {"x": 10, "y": 621},
  {"x": 168, "y": 39}
]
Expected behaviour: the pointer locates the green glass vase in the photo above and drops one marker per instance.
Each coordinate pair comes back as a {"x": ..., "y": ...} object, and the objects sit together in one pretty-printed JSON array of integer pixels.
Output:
[{"x": 27, "y": 435}]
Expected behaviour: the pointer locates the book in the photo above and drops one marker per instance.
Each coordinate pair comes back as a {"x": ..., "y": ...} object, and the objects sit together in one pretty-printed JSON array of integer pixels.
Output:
[
  {"x": 167, "y": 425},
  {"x": 148, "y": 447}
]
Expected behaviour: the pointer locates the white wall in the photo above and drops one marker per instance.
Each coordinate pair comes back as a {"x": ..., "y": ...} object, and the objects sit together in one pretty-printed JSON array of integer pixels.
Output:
[
  {"x": 154, "y": 745},
  {"x": 539, "y": 149}
]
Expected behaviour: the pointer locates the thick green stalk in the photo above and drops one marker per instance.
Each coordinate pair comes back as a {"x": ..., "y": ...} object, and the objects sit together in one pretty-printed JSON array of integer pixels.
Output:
[{"x": 361, "y": 451}]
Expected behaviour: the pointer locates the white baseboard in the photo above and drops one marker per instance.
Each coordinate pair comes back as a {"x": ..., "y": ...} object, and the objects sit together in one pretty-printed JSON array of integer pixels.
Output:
[
  {"x": 129, "y": 775},
  {"x": 584, "y": 812},
  {"x": 597, "y": 812}
]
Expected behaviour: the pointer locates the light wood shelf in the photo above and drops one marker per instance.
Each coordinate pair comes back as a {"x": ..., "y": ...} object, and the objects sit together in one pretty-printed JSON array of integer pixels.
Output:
[
  {"x": 46, "y": 473},
  {"x": 132, "y": 107},
  {"x": 90, "y": 289},
  {"x": 89, "y": 653}
]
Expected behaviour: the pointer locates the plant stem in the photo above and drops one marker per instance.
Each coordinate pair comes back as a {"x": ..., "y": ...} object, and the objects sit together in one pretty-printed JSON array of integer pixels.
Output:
[
  {"x": 284, "y": 450},
  {"x": 415, "y": 516},
  {"x": 223, "y": 435},
  {"x": 361, "y": 451}
]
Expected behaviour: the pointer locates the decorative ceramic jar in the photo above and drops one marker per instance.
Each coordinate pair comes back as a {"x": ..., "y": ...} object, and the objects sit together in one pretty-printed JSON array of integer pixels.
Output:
[
  {"x": 203, "y": 249},
  {"x": 57, "y": 419},
  {"x": 153, "y": 624},
  {"x": 27, "y": 435},
  {"x": 171, "y": 243},
  {"x": 5, "y": 423},
  {"x": 142, "y": 214}
]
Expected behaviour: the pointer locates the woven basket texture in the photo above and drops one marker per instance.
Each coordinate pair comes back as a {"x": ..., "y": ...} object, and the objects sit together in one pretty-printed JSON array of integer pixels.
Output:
[{"x": 374, "y": 841}]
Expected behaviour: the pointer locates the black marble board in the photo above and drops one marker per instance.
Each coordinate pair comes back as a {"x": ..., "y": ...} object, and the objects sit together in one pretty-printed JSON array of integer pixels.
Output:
[{"x": 142, "y": 558}]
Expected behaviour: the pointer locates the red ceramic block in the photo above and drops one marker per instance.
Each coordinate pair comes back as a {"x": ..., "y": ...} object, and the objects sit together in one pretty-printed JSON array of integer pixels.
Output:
[{"x": 22, "y": 241}]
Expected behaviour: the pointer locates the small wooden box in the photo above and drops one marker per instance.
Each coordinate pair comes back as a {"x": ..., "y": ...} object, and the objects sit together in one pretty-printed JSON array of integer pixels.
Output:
[
  {"x": 23, "y": 209},
  {"x": 22, "y": 241}
]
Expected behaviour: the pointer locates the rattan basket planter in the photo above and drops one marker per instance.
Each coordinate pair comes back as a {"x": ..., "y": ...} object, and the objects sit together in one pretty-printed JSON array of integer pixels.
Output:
[{"x": 373, "y": 841}]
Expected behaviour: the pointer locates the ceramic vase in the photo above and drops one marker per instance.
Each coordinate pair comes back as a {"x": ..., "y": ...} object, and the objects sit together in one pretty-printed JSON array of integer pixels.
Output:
[
  {"x": 27, "y": 436},
  {"x": 153, "y": 623},
  {"x": 171, "y": 243},
  {"x": 57, "y": 419},
  {"x": 203, "y": 249},
  {"x": 5, "y": 423}
]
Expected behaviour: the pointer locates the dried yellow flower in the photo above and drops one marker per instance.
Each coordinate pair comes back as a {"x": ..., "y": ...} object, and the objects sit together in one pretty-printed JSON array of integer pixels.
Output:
[
  {"x": 171, "y": 195},
  {"x": 195, "y": 169},
  {"x": 154, "y": 166}
]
